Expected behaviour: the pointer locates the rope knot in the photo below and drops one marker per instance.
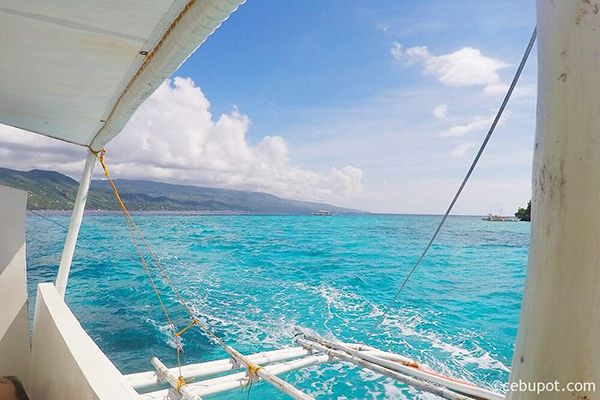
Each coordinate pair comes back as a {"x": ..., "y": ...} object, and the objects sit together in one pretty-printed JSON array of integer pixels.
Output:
[
  {"x": 180, "y": 383},
  {"x": 252, "y": 375},
  {"x": 100, "y": 156}
]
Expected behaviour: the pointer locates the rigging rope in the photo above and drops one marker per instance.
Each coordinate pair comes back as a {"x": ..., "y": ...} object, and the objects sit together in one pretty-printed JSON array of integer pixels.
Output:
[
  {"x": 464, "y": 182},
  {"x": 130, "y": 225},
  {"x": 133, "y": 229}
]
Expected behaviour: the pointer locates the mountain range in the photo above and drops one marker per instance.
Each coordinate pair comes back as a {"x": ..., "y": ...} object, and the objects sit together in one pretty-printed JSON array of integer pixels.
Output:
[{"x": 50, "y": 190}]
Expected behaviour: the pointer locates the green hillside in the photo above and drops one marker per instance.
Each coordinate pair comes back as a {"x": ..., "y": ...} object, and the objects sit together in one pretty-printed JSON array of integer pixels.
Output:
[{"x": 49, "y": 190}]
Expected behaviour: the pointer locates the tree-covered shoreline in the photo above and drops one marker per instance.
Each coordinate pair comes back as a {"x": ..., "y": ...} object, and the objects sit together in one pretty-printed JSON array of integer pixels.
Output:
[{"x": 524, "y": 214}]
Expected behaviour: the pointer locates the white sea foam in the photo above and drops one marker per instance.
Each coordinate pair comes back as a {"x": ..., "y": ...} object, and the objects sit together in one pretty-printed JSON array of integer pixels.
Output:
[
  {"x": 242, "y": 317},
  {"x": 456, "y": 360},
  {"x": 166, "y": 333}
]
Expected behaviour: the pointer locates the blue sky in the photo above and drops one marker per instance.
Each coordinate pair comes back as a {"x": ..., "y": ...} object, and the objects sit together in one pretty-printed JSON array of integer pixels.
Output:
[
  {"x": 321, "y": 75},
  {"x": 377, "y": 105}
]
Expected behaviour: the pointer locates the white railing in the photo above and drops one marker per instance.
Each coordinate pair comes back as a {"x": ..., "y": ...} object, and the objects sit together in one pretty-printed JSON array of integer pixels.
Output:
[{"x": 65, "y": 361}]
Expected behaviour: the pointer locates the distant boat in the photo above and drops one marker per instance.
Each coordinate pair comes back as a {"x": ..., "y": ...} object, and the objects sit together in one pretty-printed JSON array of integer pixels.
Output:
[
  {"x": 500, "y": 218},
  {"x": 323, "y": 213}
]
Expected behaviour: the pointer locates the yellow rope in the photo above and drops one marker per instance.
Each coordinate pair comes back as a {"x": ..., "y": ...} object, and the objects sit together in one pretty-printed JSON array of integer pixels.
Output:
[
  {"x": 131, "y": 226},
  {"x": 133, "y": 229},
  {"x": 252, "y": 376},
  {"x": 253, "y": 372},
  {"x": 194, "y": 322},
  {"x": 180, "y": 383},
  {"x": 128, "y": 216}
]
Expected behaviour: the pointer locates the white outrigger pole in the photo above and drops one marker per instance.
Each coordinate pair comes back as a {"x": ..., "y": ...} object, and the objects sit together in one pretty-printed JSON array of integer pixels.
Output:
[
  {"x": 214, "y": 377},
  {"x": 75, "y": 224},
  {"x": 559, "y": 331}
]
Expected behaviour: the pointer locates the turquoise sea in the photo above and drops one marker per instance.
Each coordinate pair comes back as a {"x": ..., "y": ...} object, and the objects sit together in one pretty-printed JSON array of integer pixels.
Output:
[{"x": 254, "y": 279}]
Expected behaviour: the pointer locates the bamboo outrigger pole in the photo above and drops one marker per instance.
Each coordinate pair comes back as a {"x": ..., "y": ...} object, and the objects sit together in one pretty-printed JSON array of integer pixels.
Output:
[{"x": 558, "y": 337}]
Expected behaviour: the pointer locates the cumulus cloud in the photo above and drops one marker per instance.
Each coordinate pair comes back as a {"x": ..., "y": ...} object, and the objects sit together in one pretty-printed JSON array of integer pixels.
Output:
[
  {"x": 464, "y": 67},
  {"x": 348, "y": 180},
  {"x": 174, "y": 138},
  {"x": 461, "y": 150},
  {"x": 441, "y": 111}
]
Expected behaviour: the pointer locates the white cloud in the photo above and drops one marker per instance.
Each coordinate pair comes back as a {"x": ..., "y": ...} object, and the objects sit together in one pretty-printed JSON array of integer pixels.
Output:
[
  {"x": 502, "y": 88},
  {"x": 476, "y": 124},
  {"x": 349, "y": 180},
  {"x": 173, "y": 138},
  {"x": 23, "y": 150},
  {"x": 464, "y": 67},
  {"x": 461, "y": 150},
  {"x": 396, "y": 50},
  {"x": 441, "y": 111}
]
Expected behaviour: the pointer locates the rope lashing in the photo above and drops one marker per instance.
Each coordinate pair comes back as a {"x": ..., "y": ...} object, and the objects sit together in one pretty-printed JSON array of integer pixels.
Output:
[
  {"x": 180, "y": 383},
  {"x": 253, "y": 372},
  {"x": 253, "y": 376}
]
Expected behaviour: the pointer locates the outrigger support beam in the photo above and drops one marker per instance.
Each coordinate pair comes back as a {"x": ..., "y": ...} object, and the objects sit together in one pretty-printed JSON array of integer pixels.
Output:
[
  {"x": 264, "y": 374},
  {"x": 194, "y": 390},
  {"x": 74, "y": 225},
  {"x": 314, "y": 351},
  {"x": 148, "y": 379},
  {"x": 416, "y": 383},
  {"x": 411, "y": 372}
]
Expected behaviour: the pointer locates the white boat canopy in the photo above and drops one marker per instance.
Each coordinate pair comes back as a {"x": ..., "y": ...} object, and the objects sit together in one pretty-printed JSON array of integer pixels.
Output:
[{"x": 76, "y": 70}]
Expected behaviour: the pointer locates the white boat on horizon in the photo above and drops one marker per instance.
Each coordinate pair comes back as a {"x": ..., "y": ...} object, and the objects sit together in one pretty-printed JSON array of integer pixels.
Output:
[
  {"x": 76, "y": 71},
  {"x": 324, "y": 213},
  {"x": 500, "y": 218}
]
